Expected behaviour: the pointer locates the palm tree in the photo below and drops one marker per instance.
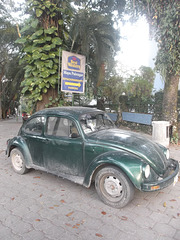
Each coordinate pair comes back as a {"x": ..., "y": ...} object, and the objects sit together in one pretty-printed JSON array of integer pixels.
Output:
[{"x": 94, "y": 36}]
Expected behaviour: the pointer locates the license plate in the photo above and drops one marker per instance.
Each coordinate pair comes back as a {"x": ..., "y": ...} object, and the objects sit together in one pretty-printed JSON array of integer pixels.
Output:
[{"x": 175, "y": 180}]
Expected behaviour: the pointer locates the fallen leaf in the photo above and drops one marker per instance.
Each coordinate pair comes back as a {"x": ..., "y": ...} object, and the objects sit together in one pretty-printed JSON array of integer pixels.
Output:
[
  {"x": 56, "y": 205},
  {"x": 75, "y": 226},
  {"x": 172, "y": 200},
  {"x": 69, "y": 225},
  {"x": 99, "y": 235},
  {"x": 178, "y": 214},
  {"x": 69, "y": 214},
  {"x": 12, "y": 198},
  {"x": 38, "y": 220},
  {"x": 164, "y": 204},
  {"x": 40, "y": 195},
  {"x": 51, "y": 208},
  {"x": 62, "y": 201},
  {"x": 37, "y": 177},
  {"x": 124, "y": 218},
  {"x": 103, "y": 213}
]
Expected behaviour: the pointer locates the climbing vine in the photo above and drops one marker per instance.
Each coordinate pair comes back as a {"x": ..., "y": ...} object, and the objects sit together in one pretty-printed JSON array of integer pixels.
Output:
[{"x": 42, "y": 36}]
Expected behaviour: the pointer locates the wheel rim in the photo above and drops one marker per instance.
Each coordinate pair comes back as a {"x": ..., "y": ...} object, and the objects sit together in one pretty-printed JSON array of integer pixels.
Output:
[
  {"x": 17, "y": 162},
  {"x": 113, "y": 186}
]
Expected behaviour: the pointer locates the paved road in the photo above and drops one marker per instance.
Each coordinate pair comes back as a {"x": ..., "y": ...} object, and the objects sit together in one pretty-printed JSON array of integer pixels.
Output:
[{"x": 39, "y": 206}]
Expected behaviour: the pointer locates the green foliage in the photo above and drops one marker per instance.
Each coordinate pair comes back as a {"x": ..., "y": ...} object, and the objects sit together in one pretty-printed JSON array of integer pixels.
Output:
[
  {"x": 10, "y": 73},
  {"x": 175, "y": 138},
  {"x": 103, "y": 7},
  {"x": 93, "y": 35},
  {"x": 139, "y": 88},
  {"x": 166, "y": 20},
  {"x": 110, "y": 90},
  {"x": 43, "y": 35}
]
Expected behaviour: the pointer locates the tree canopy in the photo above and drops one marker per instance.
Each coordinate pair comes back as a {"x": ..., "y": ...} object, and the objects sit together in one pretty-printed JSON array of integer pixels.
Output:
[{"x": 9, "y": 68}]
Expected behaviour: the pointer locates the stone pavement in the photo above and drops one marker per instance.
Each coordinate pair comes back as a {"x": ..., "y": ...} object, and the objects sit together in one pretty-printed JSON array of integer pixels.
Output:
[{"x": 39, "y": 205}]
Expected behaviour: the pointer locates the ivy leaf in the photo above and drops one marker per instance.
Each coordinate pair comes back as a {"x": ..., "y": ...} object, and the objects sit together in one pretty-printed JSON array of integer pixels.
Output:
[
  {"x": 61, "y": 22},
  {"x": 37, "y": 33},
  {"x": 42, "y": 40},
  {"x": 39, "y": 12},
  {"x": 50, "y": 30},
  {"x": 48, "y": 4},
  {"x": 25, "y": 89},
  {"x": 44, "y": 56},
  {"x": 57, "y": 41},
  {"x": 39, "y": 64},
  {"x": 21, "y": 40},
  {"x": 40, "y": 98},
  {"x": 52, "y": 55},
  {"x": 47, "y": 47},
  {"x": 45, "y": 74},
  {"x": 45, "y": 90},
  {"x": 36, "y": 55},
  {"x": 49, "y": 64}
]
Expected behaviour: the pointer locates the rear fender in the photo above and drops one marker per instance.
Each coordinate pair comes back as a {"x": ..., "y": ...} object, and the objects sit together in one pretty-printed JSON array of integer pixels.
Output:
[
  {"x": 18, "y": 142},
  {"x": 130, "y": 164}
]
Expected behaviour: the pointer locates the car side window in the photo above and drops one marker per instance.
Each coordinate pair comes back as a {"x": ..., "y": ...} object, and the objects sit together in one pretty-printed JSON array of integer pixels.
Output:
[
  {"x": 61, "y": 127},
  {"x": 35, "y": 126}
]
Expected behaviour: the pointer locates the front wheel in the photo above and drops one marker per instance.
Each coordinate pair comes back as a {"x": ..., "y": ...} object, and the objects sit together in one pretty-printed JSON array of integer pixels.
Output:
[
  {"x": 114, "y": 187},
  {"x": 17, "y": 160}
]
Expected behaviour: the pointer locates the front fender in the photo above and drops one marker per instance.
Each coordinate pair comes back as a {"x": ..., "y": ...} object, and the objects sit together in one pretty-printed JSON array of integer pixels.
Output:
[
  {"x": 20, "y": 143},
  {"x": 130, "y": 164}
]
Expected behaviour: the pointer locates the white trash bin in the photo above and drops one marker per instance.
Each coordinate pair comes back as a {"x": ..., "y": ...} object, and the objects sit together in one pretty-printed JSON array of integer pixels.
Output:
[{"x": 160, "y": 132}]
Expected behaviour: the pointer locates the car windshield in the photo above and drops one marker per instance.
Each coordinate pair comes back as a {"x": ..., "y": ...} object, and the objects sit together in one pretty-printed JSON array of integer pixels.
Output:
[{"x": 93, "y": 122}]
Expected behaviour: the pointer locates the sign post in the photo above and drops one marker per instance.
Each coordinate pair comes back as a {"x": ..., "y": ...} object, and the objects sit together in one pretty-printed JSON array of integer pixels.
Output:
[{"x": 72, "y": 72}]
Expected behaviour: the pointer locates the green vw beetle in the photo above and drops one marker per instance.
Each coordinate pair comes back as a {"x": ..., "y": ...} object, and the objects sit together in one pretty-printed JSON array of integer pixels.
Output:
[{"x": 84, "y": 146}]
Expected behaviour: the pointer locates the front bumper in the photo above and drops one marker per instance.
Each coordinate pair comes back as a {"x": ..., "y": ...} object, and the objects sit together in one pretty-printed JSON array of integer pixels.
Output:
[{"x": 165, "y": 182}]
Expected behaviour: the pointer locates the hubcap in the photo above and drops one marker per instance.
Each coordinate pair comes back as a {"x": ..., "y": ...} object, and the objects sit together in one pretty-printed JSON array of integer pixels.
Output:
[
  {"x": 113, "y": 186},
  {"x": 17, "y": 161}
]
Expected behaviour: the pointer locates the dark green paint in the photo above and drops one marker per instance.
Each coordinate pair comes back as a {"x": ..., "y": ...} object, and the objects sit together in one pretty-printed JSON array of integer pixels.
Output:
[{"x": 78, "y": 159}]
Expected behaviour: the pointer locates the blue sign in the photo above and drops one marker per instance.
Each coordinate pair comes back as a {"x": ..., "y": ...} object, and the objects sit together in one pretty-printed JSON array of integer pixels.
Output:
[
  {"x": 74, "y": 63},
  {"x": 73, "y": 72}
]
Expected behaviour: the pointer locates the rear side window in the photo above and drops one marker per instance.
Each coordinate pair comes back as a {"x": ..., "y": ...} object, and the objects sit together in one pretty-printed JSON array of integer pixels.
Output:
[{"x": 35, "y": 126}]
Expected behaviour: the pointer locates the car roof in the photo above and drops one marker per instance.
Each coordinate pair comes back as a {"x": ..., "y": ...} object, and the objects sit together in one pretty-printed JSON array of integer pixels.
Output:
[{"x": 68, "y": 111}]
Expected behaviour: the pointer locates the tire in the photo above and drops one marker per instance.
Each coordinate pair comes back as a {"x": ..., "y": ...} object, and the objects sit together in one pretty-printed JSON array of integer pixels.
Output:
[
  {"x": 17, "y": 160},
  {"x": 114, "y": 187}
]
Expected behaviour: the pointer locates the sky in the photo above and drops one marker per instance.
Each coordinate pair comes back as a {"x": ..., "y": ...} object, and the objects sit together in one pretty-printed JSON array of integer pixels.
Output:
[{"x": 137, "y": 49}]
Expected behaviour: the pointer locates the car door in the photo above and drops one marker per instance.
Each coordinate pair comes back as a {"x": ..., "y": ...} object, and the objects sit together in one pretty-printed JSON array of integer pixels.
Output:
[
  {"x": 33, "y": 135},
  {"x": 63, "y": 149}
]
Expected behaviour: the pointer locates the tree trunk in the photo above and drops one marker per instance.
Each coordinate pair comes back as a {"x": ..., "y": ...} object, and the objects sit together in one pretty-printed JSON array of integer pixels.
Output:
[
  {"x": 0, "y": 99},
  {"x": 51, "y": 93},
  {"x": 169, "y": 111}
]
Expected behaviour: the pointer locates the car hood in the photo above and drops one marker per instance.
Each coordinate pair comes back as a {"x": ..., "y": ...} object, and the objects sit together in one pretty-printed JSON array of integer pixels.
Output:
[{"x": 135, "y": 143}]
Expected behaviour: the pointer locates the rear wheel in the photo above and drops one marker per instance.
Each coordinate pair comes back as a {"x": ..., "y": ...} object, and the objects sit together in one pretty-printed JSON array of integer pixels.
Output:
[
  {"x": 17, "y": 160},
  {"x": 114, "y": 187}
]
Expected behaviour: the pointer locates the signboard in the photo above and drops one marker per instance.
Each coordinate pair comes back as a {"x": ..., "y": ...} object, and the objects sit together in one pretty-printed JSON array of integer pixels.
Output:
[{"x": 73, "y": 72}]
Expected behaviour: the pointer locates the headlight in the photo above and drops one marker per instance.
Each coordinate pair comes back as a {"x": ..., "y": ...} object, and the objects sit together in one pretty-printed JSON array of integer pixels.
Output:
[
  {"x": 147, "y": 171},
  {"x": 167, "y": 153}
]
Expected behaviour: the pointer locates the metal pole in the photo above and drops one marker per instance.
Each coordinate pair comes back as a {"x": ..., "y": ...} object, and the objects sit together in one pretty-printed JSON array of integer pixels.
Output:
[
  {"x": 72, "y": 99},
  {"x": 59, "y": 71}
]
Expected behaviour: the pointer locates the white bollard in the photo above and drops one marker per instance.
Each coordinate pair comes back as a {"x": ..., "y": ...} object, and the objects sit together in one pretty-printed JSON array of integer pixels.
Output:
[{"x": 160, "y": 132}]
